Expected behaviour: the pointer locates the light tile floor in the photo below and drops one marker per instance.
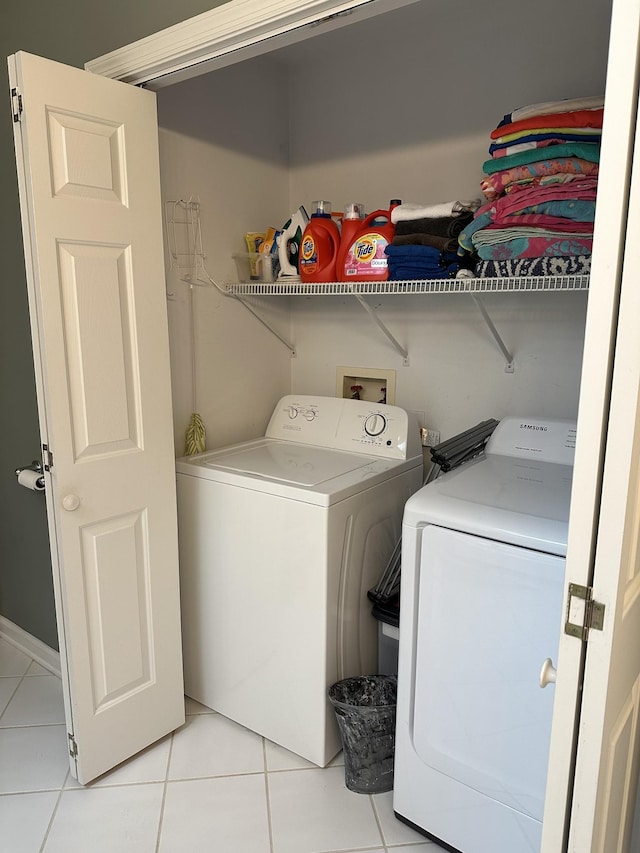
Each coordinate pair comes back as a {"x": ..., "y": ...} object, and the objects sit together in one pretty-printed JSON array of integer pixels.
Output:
[{"x": 210, "y": 786}]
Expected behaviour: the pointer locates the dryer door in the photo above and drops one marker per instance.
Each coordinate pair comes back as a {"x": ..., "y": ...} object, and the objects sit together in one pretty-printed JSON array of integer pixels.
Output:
[{"x": 489, "y": 616}]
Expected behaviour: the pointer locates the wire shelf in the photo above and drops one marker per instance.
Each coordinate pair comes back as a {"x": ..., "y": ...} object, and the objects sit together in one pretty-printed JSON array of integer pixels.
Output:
[{"x": 524, "y": 284}]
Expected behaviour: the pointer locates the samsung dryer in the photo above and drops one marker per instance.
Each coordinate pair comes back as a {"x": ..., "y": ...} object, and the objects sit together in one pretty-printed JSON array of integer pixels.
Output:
[
  {"x": 280, "y": 539},
  {"x": 481, "y": 608}
]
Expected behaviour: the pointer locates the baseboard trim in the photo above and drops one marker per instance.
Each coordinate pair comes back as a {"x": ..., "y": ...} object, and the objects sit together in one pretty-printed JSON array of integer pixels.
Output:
[{"x": 30, "y": 645}]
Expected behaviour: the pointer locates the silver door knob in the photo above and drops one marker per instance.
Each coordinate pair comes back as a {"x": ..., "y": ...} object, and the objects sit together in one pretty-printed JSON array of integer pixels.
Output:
[
  {"x": 70, "y": 502},
  {"x": 547, "y": 673}
]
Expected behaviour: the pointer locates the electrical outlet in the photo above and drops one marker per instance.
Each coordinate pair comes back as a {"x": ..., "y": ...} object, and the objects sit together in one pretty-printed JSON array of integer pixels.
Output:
[{"x": 430, "y": 437}]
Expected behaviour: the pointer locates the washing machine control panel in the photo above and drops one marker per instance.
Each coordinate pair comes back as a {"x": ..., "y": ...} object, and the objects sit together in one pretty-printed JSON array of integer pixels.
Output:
[
  {"x": 351, "y": 425},
  {"x": 309, "y": 414}
]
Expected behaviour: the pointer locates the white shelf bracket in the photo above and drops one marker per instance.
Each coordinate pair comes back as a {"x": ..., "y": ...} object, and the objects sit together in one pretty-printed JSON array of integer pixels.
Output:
[
  {"x": 509, "y": 368},
  {"x": 187, "y": 257},
  {"x": 466, "y": 286},
  {"x": 372, "y": 314},
  {"x": 260, "y": 319}
]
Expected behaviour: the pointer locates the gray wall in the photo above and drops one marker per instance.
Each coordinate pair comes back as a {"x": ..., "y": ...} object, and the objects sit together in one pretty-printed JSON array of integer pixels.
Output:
[{"x": 72, "y": 32}]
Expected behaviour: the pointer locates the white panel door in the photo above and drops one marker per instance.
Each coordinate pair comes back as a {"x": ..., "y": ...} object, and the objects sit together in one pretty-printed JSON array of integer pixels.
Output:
[
  {"x": 608, "y": 757},
  {"x": 589, "y": 803},
  {"x": 87, "y": 152}
]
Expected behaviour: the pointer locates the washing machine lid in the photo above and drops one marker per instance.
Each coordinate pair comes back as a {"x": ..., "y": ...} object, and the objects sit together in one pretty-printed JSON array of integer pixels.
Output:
[
  {"x": 296, "y": 471},
  {"x": 522, "y": 501},
  {"x": 288, "y": 462}
]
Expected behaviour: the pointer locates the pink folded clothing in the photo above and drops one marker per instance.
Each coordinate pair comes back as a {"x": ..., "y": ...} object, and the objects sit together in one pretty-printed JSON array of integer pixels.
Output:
[
  {"x": 541, "y": 220},
  {"x": 536, "y": 191},
  {"x": 519, "y": 194},
  {"x": 494, "y": 185},
  {"x": 540, "y": 184}
]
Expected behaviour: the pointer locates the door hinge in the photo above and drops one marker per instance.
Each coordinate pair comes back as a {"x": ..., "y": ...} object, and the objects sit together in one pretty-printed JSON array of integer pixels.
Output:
[
  {"x": 16, "y": 104},
  {"x": 73, "y": 746},
  {"x": 47, "y": 458},
  {"x": 583, "y": 613}
]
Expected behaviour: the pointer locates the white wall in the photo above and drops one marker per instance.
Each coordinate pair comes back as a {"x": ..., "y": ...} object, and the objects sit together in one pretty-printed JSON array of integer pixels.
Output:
[
  {"x": 224, "y": 139},
  {"x": 401, "y": 106},
  {"x": 398, "y": 106},
  {"x": 456, "y": 376},
  {"x": 408, "y": 114}
]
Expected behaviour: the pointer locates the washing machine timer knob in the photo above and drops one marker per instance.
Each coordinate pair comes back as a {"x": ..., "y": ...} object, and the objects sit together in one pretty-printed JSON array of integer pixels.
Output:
[
  {"x": 293, "y": 412},
  {"x": 375, "y": 424}
]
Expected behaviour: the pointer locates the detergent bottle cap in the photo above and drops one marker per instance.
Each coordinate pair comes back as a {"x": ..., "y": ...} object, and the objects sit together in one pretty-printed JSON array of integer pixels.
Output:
[
  {"x": 354, "y": 210},
  {"x": 321, "y": 208},
  {"x": 394, "y": 202}
]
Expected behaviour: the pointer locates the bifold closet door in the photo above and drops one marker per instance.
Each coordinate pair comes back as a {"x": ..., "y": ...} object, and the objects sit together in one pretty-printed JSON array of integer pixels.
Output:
[
  {"x": 87, "y": 152},
  {"x": 603, "y": 674}
]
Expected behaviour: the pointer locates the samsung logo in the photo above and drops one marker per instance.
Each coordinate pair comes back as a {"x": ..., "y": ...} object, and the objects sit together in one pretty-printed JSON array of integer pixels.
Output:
[{"x": 533, "y": 426}]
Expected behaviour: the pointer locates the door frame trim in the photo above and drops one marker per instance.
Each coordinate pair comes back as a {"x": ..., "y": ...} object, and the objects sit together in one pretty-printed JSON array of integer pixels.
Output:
[{"x": 232, "y": 32}]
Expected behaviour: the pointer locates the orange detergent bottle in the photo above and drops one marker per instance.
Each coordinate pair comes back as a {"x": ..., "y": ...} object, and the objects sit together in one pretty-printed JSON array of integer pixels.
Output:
[
  {"x": 320, "y": 244},
  {"x": 362, "y": 256}
]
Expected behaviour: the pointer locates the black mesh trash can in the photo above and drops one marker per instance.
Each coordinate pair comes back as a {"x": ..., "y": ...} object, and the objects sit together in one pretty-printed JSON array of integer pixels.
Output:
[{"x": 365, "y": 708}]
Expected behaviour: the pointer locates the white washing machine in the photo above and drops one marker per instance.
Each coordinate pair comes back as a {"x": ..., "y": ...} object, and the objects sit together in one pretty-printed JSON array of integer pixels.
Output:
[
  {"x": 280, "y": 539},
  {"x": 481, "y": 607}
]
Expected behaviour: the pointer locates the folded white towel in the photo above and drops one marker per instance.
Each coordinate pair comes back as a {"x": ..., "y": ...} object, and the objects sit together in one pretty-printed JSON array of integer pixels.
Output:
[{"x": 404, "y": 212}]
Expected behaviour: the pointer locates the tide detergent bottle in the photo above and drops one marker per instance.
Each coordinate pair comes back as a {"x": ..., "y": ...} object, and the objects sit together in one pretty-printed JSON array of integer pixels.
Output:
[
  {"x": 320, "y": 244},
  {"x": 351, "y": 225},
  {"x": 362, "y": 256}
]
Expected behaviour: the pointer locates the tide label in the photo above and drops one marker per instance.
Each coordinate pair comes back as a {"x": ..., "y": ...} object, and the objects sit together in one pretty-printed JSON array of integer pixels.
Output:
[
  {"x": 366, "y": 255},
  {"x": 309, "y": 254}
]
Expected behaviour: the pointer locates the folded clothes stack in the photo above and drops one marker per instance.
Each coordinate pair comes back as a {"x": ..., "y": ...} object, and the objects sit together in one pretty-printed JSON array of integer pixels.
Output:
[
  {"x": 426, "y": 240},
  {"x": 540, "y": 187}
]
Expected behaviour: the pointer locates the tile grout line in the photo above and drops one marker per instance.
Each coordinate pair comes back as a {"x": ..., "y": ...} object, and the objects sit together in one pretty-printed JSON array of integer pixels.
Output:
[
  {"x": 355, "y": 849},
  {"x": 54, "y": 812},
  {"x": 164, "y": 793},
  {"x": 193, "y": 778},
  {"x": 387, "y": 847},
  {"x": 29, "y": 791},
  {"x": 369, "y": 849},
  {"x": 22, "y": 678},
  {"x": 268, "y": 795},
  {"x": 378, "y": 823}
]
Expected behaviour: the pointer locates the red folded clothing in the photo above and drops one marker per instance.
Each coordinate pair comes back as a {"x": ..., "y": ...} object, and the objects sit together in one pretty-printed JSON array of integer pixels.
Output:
[{"x": 576, "y": 118}]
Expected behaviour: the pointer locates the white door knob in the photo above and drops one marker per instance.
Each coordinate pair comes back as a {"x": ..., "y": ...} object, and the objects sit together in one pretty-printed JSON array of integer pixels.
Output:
[
  {"x": 70, "y": 502},
  {"x": 547, "y": 673}
]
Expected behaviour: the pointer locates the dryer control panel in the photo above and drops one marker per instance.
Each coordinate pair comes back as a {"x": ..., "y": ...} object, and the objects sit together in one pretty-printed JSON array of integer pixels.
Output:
[
  {"x": 544, "y": 439},
  {"x": 351, "y": 425}
]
